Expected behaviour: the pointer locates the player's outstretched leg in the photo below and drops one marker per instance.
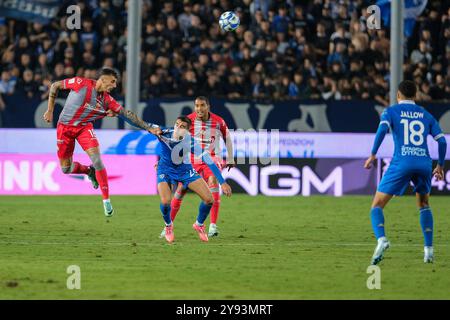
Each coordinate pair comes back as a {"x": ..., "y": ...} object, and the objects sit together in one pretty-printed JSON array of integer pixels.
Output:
[
  {"x": 200, "y": 187},
  {"x": 69, "y": 167},
  {"x": 377, "y": 218},
  {"x": 426, "y": 222},
  {"x": 102, "y": 178},
  {"x": 215, "y": 190}
]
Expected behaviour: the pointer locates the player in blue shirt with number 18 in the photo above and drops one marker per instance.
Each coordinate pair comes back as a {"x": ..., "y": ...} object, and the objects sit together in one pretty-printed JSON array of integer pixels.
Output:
[{"x": 410, "y": 125}]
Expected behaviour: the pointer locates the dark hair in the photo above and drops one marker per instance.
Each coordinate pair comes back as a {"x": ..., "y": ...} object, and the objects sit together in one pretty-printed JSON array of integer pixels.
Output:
[
  {"x": 186, "y": 120},
  {"x": 106, "y": 71},
  {"x": 408, "y": 89},
  {"x": 203, "y": 98}
]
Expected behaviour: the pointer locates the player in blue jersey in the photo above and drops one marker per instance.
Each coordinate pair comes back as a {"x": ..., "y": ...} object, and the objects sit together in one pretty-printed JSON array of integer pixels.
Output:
[
  {"x": 410, "y": 125},
  {"x": 174, "y": 167}
]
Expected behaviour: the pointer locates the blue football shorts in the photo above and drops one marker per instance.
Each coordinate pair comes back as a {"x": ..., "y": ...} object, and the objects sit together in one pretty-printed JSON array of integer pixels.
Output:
[
  {"x": 175, "y": 177},
  {"x": 396, "y": 180}
]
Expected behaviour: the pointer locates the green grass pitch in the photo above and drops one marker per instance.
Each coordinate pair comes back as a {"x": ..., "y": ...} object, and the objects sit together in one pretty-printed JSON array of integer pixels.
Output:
[{"x": 269, "y": 248}]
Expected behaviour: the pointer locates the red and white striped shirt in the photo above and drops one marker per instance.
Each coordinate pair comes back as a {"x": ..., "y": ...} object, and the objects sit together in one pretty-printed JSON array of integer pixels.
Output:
[
  {"x": 84, "y": 104},
  {"x": 207, "y": 133}
]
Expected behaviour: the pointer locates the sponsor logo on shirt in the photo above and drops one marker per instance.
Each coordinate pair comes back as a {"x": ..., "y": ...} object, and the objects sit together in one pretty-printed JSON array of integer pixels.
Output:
[{"x": 413, "y": 151}]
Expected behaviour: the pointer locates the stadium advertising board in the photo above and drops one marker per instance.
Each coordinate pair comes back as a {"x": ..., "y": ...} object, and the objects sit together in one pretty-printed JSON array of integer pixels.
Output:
[
  {"x": 40, "y": 175},
  {"x": 246, "y": 143},
  {"x": 291, "y": 115},
  {"x": 31, "y": 174},
  {"x": 309, "y": 163},
  {"x": 306, "y": 177}
]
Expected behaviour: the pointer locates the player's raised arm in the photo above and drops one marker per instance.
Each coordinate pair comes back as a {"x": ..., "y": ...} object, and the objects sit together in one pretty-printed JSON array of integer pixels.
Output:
[
  {"x": 54, "y": 88},
  {"x": 133, "y": 119},
  {"x": 383, "y": 128},
  {"x": 206, "y": 158}
]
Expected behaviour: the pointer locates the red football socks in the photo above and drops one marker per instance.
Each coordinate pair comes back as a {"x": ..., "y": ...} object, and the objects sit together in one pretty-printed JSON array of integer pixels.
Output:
[
  {"x": 102, "y": 178},
  {"x": 216, "y": 205},
  {"x": 79, "y": 168},
  {"x": 175, "y": 206}
]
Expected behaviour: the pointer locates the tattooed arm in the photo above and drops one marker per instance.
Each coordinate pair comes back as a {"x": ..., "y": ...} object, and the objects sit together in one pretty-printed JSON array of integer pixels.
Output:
[
  {"x": 48, "y": 115},
  {"x": 130, "y": 117}
]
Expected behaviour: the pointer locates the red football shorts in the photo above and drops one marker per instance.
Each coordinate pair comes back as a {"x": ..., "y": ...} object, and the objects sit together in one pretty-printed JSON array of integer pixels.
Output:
[
  {"x": 66, "y": 136},
  {"x": 203, "y": 169}
]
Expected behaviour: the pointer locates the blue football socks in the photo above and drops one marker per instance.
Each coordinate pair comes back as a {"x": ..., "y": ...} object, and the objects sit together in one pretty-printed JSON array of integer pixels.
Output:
[
  {"x": 377, "y": 217},
  {"x": 165, "y": 211},
  {"x": 203, "y": 212},
  {"x": 426, "y": 221}
]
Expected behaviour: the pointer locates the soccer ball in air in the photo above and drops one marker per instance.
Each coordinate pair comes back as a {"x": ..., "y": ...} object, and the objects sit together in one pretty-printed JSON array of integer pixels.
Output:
[{"x": 229, "y": 21}]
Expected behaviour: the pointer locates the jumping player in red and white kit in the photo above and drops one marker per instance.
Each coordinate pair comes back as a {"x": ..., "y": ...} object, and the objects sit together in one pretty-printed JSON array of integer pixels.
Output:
[
  {"x": 88, "y": 101},
  {"x": 206, "y": 128}
]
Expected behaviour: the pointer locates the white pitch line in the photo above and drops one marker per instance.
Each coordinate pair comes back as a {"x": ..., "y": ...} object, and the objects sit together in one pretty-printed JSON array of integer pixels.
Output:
[{"x": 153, "y": 244}]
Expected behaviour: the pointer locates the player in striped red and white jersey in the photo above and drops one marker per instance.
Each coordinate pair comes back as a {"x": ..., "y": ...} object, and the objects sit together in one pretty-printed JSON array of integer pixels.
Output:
[
  {"x": 207, "y": 128},
  {"x": 88, "y": 101}
]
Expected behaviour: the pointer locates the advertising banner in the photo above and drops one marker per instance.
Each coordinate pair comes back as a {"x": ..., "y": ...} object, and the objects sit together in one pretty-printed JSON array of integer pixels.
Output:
[
  {"x": 304, "y": 177},
  {"x": 31, "y": 174},
  {"x": 246, "y": 144}
]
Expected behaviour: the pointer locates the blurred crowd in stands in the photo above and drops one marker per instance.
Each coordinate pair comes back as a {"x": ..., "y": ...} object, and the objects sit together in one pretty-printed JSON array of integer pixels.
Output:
[{"x": 316, "y": 49}]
